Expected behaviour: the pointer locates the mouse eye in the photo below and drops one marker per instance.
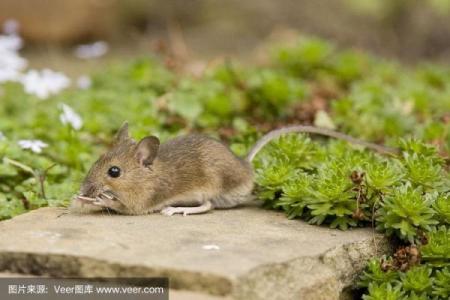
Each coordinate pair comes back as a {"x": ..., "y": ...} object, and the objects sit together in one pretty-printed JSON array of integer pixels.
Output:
[{"x": 114, "y": 172}]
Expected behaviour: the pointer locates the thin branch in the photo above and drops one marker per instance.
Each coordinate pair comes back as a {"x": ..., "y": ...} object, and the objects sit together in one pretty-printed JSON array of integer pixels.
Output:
[{"x": 42, "y": 176}]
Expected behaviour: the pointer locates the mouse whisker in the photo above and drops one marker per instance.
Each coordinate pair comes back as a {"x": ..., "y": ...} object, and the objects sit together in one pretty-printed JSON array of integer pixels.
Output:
[
  {"x": 107, "y": 209},
  {"x": 109, "y": 196},
  {"x": 84, "y": 199},
  {"x": 104, "y": 194},
  {"x": 101, "y": 202}
]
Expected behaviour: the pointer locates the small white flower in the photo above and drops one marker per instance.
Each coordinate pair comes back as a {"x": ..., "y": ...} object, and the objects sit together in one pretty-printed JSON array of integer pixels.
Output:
[
  {"x": 8, "y": 74},
  {"x": 69, "y": 116},
  {"x": 11, "y": 26},
  {"x": 84, "y": 82},
  {"x": 44, "y": 83},
  {"x": 210, "y": 247},
  {"x": 34, "y": 145},
  {"x": 11, "y": 42},
  {"x": 90, "y": 51},
  {"x": 11, "y": 64},
  {"x": 2, "y": 136}
]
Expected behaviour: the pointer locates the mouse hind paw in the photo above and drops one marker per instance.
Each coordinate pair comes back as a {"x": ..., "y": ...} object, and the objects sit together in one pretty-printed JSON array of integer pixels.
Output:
[{"x": 170, "y": 210}]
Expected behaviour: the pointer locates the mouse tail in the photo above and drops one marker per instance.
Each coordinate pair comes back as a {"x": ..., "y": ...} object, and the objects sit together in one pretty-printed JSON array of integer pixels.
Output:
[{"x": 315, "y": 130}]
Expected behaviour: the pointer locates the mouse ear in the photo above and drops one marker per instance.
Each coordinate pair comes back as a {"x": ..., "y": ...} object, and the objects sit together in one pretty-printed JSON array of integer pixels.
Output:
[
  {"x": 146, "y": 150},
  {"x": 122, "y": 134}
]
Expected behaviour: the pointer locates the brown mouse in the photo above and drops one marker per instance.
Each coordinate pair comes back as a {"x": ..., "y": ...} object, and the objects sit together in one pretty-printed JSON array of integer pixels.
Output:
[{"x": 187, "y": 175}]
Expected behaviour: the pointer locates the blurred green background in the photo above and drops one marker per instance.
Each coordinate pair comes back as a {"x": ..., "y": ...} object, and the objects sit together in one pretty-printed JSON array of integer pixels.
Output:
[{"x": 410, "y": 30}]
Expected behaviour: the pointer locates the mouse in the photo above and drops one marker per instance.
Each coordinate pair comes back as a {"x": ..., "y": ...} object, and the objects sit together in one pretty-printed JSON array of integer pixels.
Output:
[{"x": 187, "y": 175}]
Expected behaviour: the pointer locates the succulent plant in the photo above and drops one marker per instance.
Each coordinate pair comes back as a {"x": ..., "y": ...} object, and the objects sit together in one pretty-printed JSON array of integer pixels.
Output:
[
  {"x": 418, "y": 280},
  {"x": 378, "y": 272},
  {"x": 406, "y": 211},
  {"x": 437, "y": 249},
  {"x": 441, "y": 288},
  {"x": 384, "y": 291}
]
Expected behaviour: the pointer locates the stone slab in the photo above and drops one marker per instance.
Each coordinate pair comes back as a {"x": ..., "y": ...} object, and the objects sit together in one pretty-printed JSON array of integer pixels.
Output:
[{"x": 243, "y": 253}]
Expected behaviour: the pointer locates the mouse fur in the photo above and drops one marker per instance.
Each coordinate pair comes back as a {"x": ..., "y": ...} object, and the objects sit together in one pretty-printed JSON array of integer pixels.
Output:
[{"x": 188, "y": 174}]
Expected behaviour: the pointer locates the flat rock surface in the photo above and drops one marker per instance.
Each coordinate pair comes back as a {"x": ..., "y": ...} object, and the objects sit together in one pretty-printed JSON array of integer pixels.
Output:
[{"x": 244, "y": 253}]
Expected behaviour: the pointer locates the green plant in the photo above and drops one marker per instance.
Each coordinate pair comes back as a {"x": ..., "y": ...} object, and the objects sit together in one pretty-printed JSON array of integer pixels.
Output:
[
  {"x": 405, "y": 212},
  {"x": 417, "y": 280},
  {"x": 442, "y": 208},
  {"x": 437, "y": 249},
  {"x": 441, "y": 288},
  {"x": 376, "y": 274},
  {"x": 384, "y": 291}
]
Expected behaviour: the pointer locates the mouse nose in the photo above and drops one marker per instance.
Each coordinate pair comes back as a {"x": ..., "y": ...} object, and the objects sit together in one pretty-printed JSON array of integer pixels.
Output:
[{"x": 88, "y": 189}]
